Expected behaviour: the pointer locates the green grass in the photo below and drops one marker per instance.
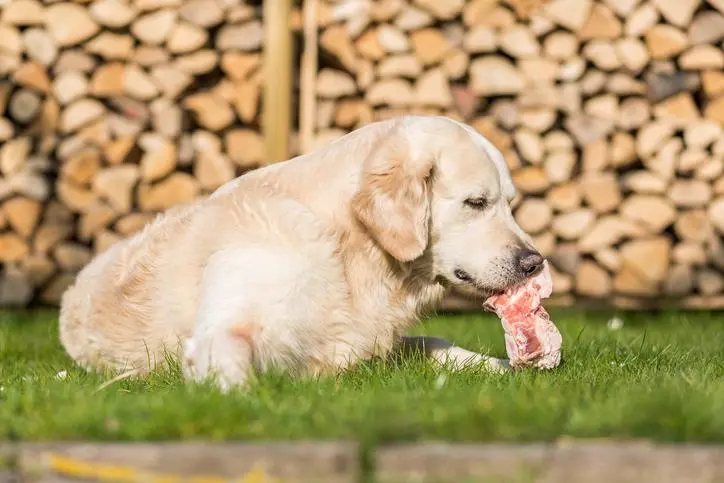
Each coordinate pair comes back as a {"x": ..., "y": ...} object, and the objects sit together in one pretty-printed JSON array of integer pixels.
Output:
[{"x": 659, "y": 377}]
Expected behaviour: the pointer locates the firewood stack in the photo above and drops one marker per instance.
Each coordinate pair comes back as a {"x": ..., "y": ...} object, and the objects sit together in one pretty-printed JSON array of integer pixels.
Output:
[
  {"x": 111, "y": 111},
  {"x": 610, "y": 114}
]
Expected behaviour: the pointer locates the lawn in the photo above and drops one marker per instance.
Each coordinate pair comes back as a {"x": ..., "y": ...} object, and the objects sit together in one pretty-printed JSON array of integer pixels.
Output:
[{"x": 660, "y": 376}]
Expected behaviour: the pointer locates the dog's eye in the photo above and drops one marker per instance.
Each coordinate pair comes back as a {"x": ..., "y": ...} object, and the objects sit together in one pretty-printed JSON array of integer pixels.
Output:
[{"x": 477, "y": 203}]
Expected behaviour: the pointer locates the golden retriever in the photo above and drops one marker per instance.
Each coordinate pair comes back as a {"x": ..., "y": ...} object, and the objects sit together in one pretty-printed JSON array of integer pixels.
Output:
[{"x": 309, "y": 265}]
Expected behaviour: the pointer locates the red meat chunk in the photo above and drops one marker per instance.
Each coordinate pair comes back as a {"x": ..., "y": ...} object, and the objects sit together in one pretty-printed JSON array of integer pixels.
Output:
[{"x": 531, "y": 339}]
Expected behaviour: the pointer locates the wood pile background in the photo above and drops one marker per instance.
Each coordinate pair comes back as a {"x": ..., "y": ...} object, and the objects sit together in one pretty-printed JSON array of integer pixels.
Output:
[
  {"x": 112, "y": 111},
  {"x": 610, "y": 114}
]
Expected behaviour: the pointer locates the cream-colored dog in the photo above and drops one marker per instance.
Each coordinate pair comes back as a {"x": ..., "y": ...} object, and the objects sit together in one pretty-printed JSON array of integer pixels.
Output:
[{"x": 309, "y": 265}]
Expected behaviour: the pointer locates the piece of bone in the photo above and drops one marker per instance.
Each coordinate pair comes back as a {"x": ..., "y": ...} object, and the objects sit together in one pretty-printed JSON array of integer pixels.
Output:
[{"x": 531, "y": 339}]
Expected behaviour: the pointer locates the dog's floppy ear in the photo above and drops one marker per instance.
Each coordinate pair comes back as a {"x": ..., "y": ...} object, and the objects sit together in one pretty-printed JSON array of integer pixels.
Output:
[{"x": 394, "y": 198}]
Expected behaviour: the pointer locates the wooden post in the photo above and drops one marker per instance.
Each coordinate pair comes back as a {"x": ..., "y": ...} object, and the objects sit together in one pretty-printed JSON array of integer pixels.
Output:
[
  {"x": 308, "y": 86},
  {"x": 276, "y": 123}
]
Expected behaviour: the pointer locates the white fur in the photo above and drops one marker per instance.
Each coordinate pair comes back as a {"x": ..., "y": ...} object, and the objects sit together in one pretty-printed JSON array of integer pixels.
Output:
[{"x": 309, "y": 265}]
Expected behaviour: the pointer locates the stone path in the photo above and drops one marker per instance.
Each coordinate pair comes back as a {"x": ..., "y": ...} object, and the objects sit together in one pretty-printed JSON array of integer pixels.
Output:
[{"x": 340, "y": 462}]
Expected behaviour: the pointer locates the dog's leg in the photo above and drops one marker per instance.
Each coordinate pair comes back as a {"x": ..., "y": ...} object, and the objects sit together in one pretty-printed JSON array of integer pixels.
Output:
[
  {"x": 219, "y": 355},
  {"x": 222, "y": 345},
  {"x": 445, "y": 353}
]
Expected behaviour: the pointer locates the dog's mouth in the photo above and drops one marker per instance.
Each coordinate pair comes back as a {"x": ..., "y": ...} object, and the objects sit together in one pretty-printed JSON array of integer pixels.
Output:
[
  {"x": 463, "y": 276},
  {"x": 467, "y": 285}
]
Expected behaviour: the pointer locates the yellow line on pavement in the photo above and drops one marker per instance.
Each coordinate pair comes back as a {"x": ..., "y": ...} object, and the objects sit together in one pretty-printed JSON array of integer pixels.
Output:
[{"x": 127, "y": 474}]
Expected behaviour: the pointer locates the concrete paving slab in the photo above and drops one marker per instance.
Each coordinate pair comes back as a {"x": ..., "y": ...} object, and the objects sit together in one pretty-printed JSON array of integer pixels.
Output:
[
  {"x": 308, "y": 462},
  {"x": 579, "y": 461},
  {"x": 630, "y": 462},
  {"x": 573, "y": 461},
  {"x": 459, "y": 463}
]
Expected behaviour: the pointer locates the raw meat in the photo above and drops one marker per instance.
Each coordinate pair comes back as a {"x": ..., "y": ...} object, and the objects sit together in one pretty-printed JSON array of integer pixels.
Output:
[{"x": 531, "y": 339}]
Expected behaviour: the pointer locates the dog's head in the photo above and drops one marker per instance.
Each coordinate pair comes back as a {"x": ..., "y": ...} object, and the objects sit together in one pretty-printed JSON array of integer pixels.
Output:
[{"x": 435, "y": 191}]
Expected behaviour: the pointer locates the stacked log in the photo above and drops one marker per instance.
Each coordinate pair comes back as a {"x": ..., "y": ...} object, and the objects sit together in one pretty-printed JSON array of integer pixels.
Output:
[
  {"x": 610, "y": 114},
  {"x": 111, "y": 111}
]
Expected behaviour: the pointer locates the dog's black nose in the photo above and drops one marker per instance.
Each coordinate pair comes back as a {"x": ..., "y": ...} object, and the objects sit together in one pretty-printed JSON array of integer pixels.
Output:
[{"x": 529, "y": 262}]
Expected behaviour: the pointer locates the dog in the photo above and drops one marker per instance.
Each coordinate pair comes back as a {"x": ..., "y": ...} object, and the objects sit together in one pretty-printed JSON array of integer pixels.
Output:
[{"x": 310, "y": 265}]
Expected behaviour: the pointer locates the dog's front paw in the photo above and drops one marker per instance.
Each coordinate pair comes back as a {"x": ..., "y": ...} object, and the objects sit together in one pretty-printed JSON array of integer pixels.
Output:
[
  {"x": 499, "y": 366},
  {"x": 459, "y": 358}
]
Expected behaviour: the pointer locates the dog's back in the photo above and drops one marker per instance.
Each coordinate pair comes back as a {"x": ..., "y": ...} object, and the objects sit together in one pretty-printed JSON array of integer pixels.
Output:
[
  {"x": 140, "y": 298},
  {"x": 110, "y": 308}
]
